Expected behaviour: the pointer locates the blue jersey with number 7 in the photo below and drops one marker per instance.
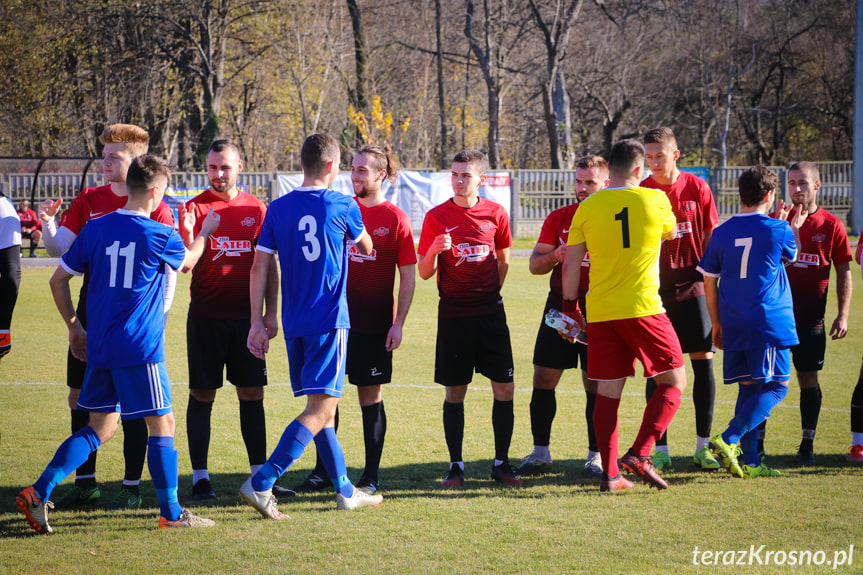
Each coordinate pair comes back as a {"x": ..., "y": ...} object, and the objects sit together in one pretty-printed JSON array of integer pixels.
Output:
[
  {"x": 755, "y": 306},
  {"x": 125, "y": 254},
  {"x": 309, "y": 228}
]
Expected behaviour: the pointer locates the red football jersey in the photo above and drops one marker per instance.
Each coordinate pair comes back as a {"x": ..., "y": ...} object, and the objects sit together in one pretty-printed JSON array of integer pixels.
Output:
[
  {"x": 371, "y": 278},
  {"x": 220, "y": 279},
  {"x": 29, "y": 221},
  {"x": 555, "y": 231},
  {"x": 94, "y": 202},
  {"x": 695, "y": 211},
  {"x": 467, "y": 276},
  {"x": 823, "y": 240}
]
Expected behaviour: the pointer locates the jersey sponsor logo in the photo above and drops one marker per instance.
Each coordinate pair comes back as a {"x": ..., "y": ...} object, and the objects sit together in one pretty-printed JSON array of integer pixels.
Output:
[
  {"x": 805, "y": 260},
  {"x": 95, "y": 214},
  {"x": 496, "y": 180},
  {"x": 684, "y": 227},
  {"x": 248, "y": 222},
  {"x": 448, "y": 230},
  {"x": 355, "y": 255},
  {"x": 469, "y": 253},
  {"x": 227, "y": 247},
  {"x": 381, "y": 231},
  {"x": 818, "y": 238}
]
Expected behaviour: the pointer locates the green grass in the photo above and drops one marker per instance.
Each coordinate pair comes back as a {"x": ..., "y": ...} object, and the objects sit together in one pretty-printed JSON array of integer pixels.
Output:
[{"x": 558, "y": 523}]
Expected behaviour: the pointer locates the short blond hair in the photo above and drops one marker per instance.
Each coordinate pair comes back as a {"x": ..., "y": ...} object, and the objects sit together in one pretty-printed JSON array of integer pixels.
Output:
[{"x": 137, "y": 139}]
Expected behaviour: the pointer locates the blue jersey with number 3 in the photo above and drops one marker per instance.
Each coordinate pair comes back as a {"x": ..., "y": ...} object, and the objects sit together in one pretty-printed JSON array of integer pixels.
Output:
[
  {"x": 309, "y": 229},
  {"x": 125, "y": 254},
  {"x": 755, "y": 305}
]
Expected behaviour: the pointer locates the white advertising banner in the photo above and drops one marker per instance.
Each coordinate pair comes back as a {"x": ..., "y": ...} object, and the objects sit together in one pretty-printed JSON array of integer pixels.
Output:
[{"x": 416, "y": 192}]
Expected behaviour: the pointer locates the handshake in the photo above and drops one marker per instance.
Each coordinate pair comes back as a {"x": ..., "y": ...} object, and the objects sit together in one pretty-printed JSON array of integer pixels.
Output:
[{"x": 570, "y": 329}]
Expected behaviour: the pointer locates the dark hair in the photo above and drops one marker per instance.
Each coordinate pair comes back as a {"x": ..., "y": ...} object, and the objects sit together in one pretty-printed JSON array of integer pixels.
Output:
[
  {"x": 381, "y": 160},
  {"x": 755, "y": 183},
  {"x": 472, "y": 157},
  {"x": 317, "y": 150},
  {"x": 223, "y": 144},
  {"x": 625, "y": 156},
  {"x": 143, "y": 172},
  {"x": 591, "y": 161},
  {"x": 809, "y": 167},
  {"x": 660, "y": 136}
]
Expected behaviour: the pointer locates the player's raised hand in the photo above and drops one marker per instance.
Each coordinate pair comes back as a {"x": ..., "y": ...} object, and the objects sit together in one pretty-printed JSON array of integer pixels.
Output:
[
  {"x": 258, "y": 341},
  {"x": 78, "y": 341},
  {"x": 799, "y": 216},
  {"x": 441, "y": 243},
  {"x": 783, "y": 209},
  {"x": 187, "y": 223},
  {"x": 560, "y": 253},
  {"x": 394, "y": 337},
  {"x": 49, "y": 208},
  {"x": 211, "y": 222}
]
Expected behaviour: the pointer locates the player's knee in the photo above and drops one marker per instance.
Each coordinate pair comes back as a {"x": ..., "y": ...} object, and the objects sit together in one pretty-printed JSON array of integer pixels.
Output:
[
  {"x": 73, "y": 397},
  {"x": 206, "y": 395},
  {"x": 503, "y": 391},
  {"x": 545, "y": 377},
  {"x": 248, "y": 394},
  {"x": 369, "y": 395},
  {"x": 161, "y": 425}
]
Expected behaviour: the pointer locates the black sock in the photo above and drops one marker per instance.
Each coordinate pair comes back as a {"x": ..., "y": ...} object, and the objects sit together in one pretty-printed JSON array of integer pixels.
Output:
[
  {"x": 453, "y": 429},
  {"x": 543, "y": 407},
  {"x": 320, "y": 468},
  {"x": 503, "y": 421},
  {"x": 649, "y": 389},
  {"x": 253, "y": 426},
  {"x": 135, "y": 436},
  {"x": 374, "y": 432},
  {"x": 198, "y": 431},
  {"x": 588, "y": 414},
  {"x": 857, "y": 408},
  {"x": 810, "y": 408},
  {"x": 703, "y": 395},
  {"x": 80, "y": 420}
]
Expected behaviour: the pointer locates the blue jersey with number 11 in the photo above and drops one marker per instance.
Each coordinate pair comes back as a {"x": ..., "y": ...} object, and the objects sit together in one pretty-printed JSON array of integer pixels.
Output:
[
  {"x": 309, "y": 228},
  {"x": 755, "y": 306},
  {"x": 125, "y": 254}
]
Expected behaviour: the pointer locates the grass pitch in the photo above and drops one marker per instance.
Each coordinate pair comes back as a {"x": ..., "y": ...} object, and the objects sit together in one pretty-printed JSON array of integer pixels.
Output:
[{"x": 557, "y": 523}]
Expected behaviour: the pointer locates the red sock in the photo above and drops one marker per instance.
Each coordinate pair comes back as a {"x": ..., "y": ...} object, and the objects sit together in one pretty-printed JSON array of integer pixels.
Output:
[
  {"x": 658, "y": 414},
  {"x": 605, "y": 428}
]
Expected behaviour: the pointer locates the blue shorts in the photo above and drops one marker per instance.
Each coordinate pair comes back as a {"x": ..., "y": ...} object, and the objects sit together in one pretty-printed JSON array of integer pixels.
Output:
[
  {"x": 760, "y": 365},
  {"x": 317, "y": 363},
  {"x": 137, "y": 391}
]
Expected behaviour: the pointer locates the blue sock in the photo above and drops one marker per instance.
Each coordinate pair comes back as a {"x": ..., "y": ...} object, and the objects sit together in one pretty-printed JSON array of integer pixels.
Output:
[
  {"x": 749, "y": 445},
  {"x": 333, "y": 457},
  {"x": 291, "y": 446},
  {"x": 162, "y": 462},
  {"x": 71, "y": 454},
  {"x": 754, "y": 406}
]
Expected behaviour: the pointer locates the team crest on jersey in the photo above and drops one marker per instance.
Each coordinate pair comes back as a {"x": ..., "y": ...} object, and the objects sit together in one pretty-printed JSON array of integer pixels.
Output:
[
  {"x": 486, "y": 226},
  {"x": 469, "y": 253},
  {"x": 381, "y": 232},
  {"x": 804, "y": 260},
  {"x": 248, "y": 222},
  {"x": 355, "y": 255},
  {"x": 227, "y": 246},
  {"x": 818, "y": 238},
  {"x": 690, "y": 206}
]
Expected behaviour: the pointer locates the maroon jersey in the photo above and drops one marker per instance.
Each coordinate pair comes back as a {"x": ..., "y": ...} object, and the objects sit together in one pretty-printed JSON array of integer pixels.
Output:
[
  {"x": 95, "y": 202},
  {"x": 371, "y": 278},
  {"x": 220, "y": 280},
  {"x": 29, "y": 221},
  {"x": 555, "y": 231},
  {"x": 823, "y": 240},
  {"x": 693, "y": 207},
  {"x": 467, "y": 276}
]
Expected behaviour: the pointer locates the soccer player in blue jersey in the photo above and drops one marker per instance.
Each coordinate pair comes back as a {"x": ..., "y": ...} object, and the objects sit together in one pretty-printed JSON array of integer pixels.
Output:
[
  {"x": 309, "y": 228},
  {"x": 750, "y": 305},
  {"x": 125, "y": 253}
]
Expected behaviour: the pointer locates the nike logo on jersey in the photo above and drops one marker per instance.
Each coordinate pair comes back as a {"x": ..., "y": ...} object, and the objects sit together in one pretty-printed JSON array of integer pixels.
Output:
[
  {"x": 448, "y": 230},
  {"x": 355, "y": 255},
  {"x": 806, "y": 260},
  {"x": 95, "y": 214},
  {"x": 467, "y": 252},
  {"x": 229, "y": 247}
]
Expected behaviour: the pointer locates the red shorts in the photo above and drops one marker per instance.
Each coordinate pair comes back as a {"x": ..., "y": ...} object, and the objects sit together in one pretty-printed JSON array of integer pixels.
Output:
[{"x": 613, "y": 347}]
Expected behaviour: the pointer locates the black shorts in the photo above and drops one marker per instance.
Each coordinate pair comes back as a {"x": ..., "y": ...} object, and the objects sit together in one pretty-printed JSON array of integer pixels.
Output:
[
  {"x": 368, "y": 361},
  {"x": 691, "y": 322},
  {"x": 75, "y": 368},
  {"x": 465, "y": 344},
  {"x": 808, "y": 355},
  {"x": 213, "y": 344},
  {"x": 552, "y": 351}
]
